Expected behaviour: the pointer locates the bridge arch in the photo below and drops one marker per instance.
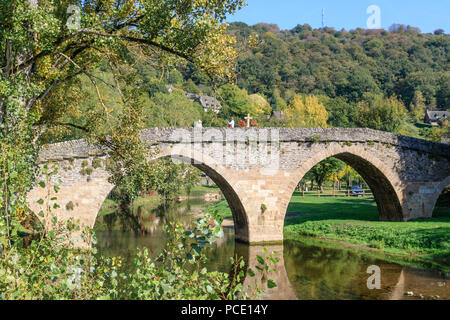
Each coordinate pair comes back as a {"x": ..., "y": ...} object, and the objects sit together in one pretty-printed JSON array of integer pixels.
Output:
[
  {"x": 218, "y": 175},
  {"x": 440, "y": 189},
  {"x": 381, "y": 180}
]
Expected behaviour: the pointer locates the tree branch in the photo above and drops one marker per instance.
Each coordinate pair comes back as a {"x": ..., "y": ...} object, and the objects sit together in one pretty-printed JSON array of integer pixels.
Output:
[{"x": 142, "y": 41}]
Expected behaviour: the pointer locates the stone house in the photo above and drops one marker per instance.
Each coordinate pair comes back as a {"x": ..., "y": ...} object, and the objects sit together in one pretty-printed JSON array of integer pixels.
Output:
[
  {"x": 207, "y": 102},
  {"x": 436, "y": 117}
]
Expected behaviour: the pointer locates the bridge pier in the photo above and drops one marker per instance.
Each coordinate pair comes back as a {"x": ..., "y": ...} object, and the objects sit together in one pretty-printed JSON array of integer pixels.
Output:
[
  {"x": 265, "y": 195},
  {"x": 283, "y": 289}
]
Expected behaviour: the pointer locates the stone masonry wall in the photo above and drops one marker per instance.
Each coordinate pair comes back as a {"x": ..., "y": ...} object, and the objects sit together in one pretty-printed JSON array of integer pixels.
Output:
[{"x": 258, "y": 170}]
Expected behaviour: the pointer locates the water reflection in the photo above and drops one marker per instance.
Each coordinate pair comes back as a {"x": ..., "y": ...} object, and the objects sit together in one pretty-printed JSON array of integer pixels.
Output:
[{"x": 304, "y": 271}]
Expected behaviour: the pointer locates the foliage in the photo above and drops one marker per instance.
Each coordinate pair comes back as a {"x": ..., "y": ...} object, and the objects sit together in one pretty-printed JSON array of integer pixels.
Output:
[
  {"x": 323, "y": 170},
  {"x": 234, "y": 101},
  {"x": 342, "y": 63},
  {"x": 258, "y": 104},
  {"x": 380, "y": 113},
  {"x": 220, "y": 208},
  {"x": 51, "y": 268},
  {"x": 356, "y": 221},
  {"x": 341, "y": 114},
  {"x": 168, "y": 178},
  {"x": 171, "y": 110},
  {"x": 418, "y": 107},
  {"x": 306, "y": 111},
  {"x": 43, "y": 63}
]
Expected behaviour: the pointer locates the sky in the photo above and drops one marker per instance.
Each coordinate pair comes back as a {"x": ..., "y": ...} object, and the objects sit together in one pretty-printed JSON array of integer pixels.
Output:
[{"x": 427, "y": 15}]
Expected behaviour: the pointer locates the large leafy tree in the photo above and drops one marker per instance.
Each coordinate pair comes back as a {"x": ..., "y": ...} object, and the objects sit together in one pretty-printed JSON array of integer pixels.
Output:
[
  {"x": 323, "y": 170},
  {"x": 306, "y": 111},
  {"x": 235, "y": 101},
  {"x": 380, "y": 113},
  {"x": 45, "y": 46}
]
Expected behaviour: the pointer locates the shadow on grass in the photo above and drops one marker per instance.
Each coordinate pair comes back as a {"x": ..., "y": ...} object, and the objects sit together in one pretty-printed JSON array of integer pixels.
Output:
[
  {"x": 330, "y": 208},
  {"x": 346, "y": 208}
]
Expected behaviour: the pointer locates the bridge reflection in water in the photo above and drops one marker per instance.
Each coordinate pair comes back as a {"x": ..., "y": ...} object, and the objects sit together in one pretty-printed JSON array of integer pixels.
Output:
[
  {"x": 312, "y": 273},
  {"x": 306, "y": 270}
]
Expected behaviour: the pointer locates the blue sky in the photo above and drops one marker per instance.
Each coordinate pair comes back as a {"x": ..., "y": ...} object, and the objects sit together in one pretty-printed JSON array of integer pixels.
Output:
[{"x": 427, "y": 15}]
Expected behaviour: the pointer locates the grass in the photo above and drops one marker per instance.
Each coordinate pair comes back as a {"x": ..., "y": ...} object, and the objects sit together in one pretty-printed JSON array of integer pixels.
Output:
[
  {"x": 355, "y": 221},
  {"x": 221, "y": 208}
]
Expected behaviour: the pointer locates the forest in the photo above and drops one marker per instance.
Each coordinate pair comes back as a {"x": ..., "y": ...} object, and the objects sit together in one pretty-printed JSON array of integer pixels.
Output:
[{"x": 379, "y": 79}]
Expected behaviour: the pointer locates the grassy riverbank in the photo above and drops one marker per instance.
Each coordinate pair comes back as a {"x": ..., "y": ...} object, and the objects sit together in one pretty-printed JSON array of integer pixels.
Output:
[
  {"x": 221, "y": 208},
  {"x": 354, "y": 222}
]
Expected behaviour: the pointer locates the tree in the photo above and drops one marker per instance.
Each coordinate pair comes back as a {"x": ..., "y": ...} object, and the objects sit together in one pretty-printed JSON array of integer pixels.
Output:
[
  {"x": 155, "y": 87},
  {"x": 259, "y": 105},
  {"x": 277, "y": 102},
  {"x": 234, "y": 101},
  {"x": 443, "y": 93},
  {"x": 377, "y": 112},
  {"x": 172, "y": 110},
  {"x": 306, "y": 111},
  {"x": 168, "y": 178},
  {"x": 190, "y": 87},
  {"x": 324, "y": 169},
  {"x": 341, "y": 114},
  {"x": 418, "y": 107},
  {"x": 44, "y": 51}
]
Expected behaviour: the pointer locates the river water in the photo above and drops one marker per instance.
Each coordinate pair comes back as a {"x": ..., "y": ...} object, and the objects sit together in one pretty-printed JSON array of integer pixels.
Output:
[{"x": 304, "y": 271}]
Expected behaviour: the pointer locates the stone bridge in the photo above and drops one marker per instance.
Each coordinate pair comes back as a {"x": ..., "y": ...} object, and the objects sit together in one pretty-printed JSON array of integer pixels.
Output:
[{"x": 258, "y": 170}]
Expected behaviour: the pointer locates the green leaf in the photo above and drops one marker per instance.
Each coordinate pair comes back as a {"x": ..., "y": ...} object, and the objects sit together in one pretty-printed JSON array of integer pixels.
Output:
[
  {"x": 260, "y": 259},
  {"x": 271, "y": 284}
]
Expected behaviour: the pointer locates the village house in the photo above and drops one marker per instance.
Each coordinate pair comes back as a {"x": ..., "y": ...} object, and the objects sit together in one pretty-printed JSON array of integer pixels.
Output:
[
  {"x": 435, "y": 118},
  {"x": 207, "y": 102}
]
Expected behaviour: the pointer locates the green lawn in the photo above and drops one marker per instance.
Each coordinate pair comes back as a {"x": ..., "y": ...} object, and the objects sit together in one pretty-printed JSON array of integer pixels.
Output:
[
  {"x": 355, "y": 220},
  {"x": 221, "y": 208}
]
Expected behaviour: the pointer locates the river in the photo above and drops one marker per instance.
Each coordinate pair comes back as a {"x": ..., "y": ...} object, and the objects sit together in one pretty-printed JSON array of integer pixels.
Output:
[{"x": 304, "y": 271}]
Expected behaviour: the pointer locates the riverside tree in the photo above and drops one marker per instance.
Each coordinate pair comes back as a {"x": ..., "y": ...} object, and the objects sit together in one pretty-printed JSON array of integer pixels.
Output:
[{"x": 46, "y": 45}]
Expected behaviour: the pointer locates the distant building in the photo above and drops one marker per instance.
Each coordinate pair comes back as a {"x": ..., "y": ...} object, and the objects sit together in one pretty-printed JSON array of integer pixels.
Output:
[
  {"x": 436, "y": 117},
  {"x": 207, "y": 102}
]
